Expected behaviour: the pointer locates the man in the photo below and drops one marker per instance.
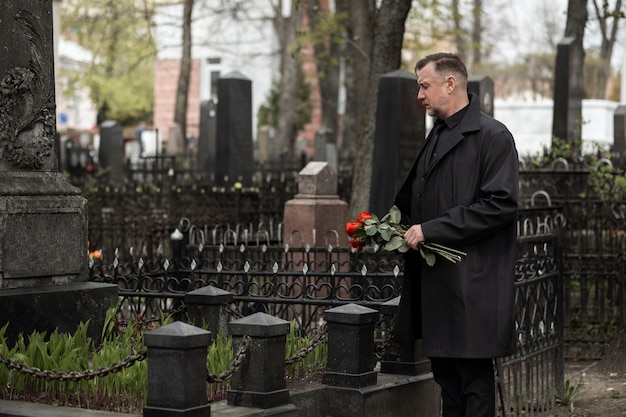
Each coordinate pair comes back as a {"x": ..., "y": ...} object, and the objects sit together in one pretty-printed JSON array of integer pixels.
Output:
[{"x": 461, "y": 192}]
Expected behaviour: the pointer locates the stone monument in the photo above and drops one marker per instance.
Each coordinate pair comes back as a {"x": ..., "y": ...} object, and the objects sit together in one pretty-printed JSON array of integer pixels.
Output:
[
  {"x": 400, "y": 133},
  {"x": 43, "y": 218}
]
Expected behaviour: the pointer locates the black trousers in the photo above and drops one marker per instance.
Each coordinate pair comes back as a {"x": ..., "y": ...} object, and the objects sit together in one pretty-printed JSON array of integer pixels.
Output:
[{"x": 467, "y": 386}]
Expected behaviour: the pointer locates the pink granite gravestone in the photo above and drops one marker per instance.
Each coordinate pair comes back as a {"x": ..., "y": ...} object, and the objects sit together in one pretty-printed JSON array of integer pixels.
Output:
[{"x": 316, "y": 216}]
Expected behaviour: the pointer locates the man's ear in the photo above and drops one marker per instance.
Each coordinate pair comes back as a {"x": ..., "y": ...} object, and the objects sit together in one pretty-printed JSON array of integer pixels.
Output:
[{"x": 450, "y": 83}]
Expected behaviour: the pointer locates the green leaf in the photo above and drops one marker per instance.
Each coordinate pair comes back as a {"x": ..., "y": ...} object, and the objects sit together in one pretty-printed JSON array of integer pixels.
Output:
[
  {"x": 395, "y": 243},
  {"x": 394, "y": 215},
  {"x": 386, "y": 233},
  {"x": 429, "y": 257},
  {"x": 370, "y": 230}
]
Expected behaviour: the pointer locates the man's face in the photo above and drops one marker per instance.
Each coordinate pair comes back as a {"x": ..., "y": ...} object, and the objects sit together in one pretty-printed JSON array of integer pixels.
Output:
[{"x": 432, "y": 91}]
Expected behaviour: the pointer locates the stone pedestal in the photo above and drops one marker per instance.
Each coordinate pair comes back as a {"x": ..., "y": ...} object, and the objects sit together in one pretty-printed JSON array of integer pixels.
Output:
[
  {"x": 316, "y": 216},
  {"x": 204, "y": 305},
  {"x": 260, "y": 381},
  {"x": 403, "y": 358},
  {"x": 177, "y": 371},
  {"x": 43, "y": 218},
  {"x": 351, "y": 357}
]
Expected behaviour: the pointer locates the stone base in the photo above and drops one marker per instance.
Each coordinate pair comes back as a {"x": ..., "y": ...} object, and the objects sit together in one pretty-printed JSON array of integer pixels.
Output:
[
  {"x": 392, "y": 396},
  {"x": 200, "y": 411},
  {"x": 51, "y": 307},
  {"x": 258, "y": 399},
  {"x": 405, "y": 368},
  {"x": 337, "y": 379}
]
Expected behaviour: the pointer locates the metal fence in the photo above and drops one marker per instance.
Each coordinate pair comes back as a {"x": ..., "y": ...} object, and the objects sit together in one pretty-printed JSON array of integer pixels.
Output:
[{"x": 298, "y": 283}]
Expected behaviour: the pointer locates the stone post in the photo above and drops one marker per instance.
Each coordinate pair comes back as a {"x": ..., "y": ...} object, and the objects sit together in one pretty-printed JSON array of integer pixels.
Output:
[
  {"x": 260, "y": 381},
  {"x": 619, "y": 131},
  {"x": 403, "y": 358},
  {"x": 351, "y": 357},
  {"x": 316, "y": 216},
  {"x": 204, "y": 305},
  {"x": 43, "y": 218},
  {"x": 177, "y": 371}
]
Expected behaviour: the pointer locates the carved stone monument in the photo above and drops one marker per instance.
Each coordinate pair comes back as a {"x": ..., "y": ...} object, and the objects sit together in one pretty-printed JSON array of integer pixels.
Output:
[{"x": 43, "y": 218}]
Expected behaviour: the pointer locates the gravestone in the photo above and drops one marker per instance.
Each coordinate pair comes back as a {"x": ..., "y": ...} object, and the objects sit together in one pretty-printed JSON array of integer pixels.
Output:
[
  {"x": 43, "y": 218},
  {"x": 207, "y": 136},
  {"x": 482, "y": 86},
  {"x": 400, "y": 132},
  {"x": 619, "y": 131},
  {"x": 268, "y": 151},
  {"x": 111, "y": 152},
  {"x": 567, "y": 115},
  {"x": 325, "y": 146},
  {"x": 234, "y": 151}
]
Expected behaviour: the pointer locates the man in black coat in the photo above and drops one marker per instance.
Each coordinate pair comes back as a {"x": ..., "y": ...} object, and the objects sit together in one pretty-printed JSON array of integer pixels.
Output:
[{"x": 461, "y": 192}]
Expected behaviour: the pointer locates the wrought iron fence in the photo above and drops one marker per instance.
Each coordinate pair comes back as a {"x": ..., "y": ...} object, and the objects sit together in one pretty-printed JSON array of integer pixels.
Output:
[{"x": 299, "y": 283}]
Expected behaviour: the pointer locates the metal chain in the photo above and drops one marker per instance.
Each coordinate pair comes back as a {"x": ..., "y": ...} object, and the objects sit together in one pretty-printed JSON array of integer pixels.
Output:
[
  {"x": 234, "y": 365},
  {"x": 75, "y": 375},
  {"x": 382, "y": 348},
  {"x": 228, "y": 308},
  {"x": 308, "y": 349}
]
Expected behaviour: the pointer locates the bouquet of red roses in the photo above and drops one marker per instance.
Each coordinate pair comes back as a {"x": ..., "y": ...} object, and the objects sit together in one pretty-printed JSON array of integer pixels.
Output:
[{"x": 388, "y": 233}]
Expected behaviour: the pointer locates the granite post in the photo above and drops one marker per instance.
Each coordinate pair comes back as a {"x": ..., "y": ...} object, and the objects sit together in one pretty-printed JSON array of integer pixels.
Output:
[
  {"x": 43, "y": 218},
  {"x": 400, "y": 132},
  {"x": 402, "y": 358},
  {"x": 111, "y": 152},
  {"x": 351, "y": 357},
  {"x": 204, "y": 305},
  {"x": 177, "y": 371},
  {"x": 260, "y": 381}
]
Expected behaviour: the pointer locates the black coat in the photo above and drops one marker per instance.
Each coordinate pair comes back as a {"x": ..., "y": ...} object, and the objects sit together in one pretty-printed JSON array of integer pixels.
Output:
[{"x": 465, "y": 310}]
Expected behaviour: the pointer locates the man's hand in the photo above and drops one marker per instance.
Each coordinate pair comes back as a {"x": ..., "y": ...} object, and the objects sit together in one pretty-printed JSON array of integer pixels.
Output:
[{"x": 414, "y": 236}]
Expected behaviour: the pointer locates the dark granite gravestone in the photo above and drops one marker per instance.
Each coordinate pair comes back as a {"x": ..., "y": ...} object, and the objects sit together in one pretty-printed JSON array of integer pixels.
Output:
[
  {"x": 567, "y": 115},
  {"x": 400, "y": 132},
  {"x": 207, "y": 136},
  {"x": 619, "y": 131},
  {"x": 43, "y": 218},
  {"x": 234, "y": 151},
  {"x": 111, "y": 153},
  {"x": 482, "y": 86}
]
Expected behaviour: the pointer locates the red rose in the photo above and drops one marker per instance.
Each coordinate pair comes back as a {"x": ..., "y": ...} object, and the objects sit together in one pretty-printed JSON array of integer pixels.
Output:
[
  {"x": 351, "y": 228},
  {"x": 363, "y": 216},
  {"x": 356, "y": 243}
]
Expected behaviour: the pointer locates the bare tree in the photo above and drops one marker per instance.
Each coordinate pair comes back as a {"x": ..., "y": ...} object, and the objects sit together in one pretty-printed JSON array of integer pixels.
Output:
[
  {"x": 182, "y": 91},
  {"x": 388, "y": 24}
]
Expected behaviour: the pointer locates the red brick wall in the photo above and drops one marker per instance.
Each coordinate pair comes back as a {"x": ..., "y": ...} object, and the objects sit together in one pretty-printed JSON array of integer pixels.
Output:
[{"x": 165, "y": 84}]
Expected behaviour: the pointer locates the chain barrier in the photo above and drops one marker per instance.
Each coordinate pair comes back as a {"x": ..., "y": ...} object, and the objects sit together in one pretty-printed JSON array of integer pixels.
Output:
[
  {"x": 74, "y": 376},
  {"x": 310, "y": 348},
  {"x": 388, "y": 335},
  {"x": 234, "y": 365}
]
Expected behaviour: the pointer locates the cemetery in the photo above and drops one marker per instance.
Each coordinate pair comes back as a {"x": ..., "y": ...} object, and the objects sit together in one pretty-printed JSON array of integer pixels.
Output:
[{"x": 217, "y": 285}]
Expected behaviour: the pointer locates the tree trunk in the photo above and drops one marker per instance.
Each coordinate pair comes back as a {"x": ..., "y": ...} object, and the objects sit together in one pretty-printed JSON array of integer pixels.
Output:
[
  {"x": 609, "y": 36},
  {"x": 286, "y": 28},
  {"x": 182, "y": 91},
  {"x": 477, "y": 31},
  {"x": 327, "y": 70},
  {"x": 357, "y": 55},
  {"x": 577, "y": 17},
  {"x": 385, "y": 57},
  {"x": 459, "y": 39}
]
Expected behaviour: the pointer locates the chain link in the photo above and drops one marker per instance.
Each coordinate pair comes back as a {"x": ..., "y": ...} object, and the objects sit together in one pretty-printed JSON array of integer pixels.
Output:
[
  {"x": 308, "y": 349},
  {"x": 234, "y": 365},
  {"x": 75, "y": 375}
]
